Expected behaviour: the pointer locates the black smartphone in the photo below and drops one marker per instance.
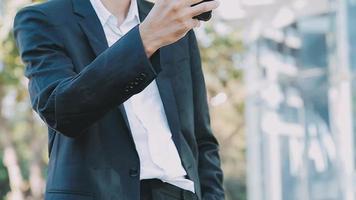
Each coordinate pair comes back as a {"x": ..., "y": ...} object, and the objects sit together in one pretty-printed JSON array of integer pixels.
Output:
[{"x": 204, "y": 16}]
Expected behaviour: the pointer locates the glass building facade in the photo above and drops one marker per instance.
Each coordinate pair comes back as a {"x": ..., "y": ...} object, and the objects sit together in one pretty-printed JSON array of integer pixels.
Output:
[{"x": 301, "y": 106}]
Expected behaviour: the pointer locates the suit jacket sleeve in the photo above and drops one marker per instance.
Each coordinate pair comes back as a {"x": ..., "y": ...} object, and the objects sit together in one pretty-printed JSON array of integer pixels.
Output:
[
  {"x": 210, "y": 173},
  {"x": 70, "y": 101}
]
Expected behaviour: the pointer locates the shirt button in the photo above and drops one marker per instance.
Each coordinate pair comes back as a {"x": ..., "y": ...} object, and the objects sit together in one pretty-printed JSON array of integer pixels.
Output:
[{"x": 133, "y": 172}]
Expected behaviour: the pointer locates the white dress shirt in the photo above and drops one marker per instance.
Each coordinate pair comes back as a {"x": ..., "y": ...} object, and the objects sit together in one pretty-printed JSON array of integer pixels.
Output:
[{"x": 158, "y": 154}]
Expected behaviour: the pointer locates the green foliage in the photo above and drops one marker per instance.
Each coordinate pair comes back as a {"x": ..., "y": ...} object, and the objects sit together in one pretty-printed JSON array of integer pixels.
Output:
[
  {"x": 12, "y": 71},
  {"x": 223, "y": 76},
  {"x": 4, "y": 179},
  {"x": 16, "y": 120}
]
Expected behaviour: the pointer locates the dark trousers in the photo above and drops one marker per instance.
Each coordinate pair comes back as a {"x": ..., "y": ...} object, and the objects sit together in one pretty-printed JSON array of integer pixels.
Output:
[{"x": 155, "y": 189}]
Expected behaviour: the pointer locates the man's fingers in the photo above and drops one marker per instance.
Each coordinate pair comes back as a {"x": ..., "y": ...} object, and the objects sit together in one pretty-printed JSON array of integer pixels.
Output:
[
  {"x": 192, "y": 2},
  {"x": 203, "y": 7},
  {"x": 192, "y": 23},
  {"x": 196, "y": 23}
]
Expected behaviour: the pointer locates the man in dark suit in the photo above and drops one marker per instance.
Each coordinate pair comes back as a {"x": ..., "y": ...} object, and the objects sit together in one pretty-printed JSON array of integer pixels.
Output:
[{"x": 125, "y": 102}]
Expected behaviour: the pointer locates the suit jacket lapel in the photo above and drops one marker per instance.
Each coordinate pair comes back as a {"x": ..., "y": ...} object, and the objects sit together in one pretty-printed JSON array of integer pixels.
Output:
[
  {"x": 90, "y": 25},
  {"x": 163, "y": 82},
  {"x": 92, "y": 28},
  {"x": 144, "y": 8},
  {"x": 166, "y": 92},
  {"x": 170, "y": 107}
]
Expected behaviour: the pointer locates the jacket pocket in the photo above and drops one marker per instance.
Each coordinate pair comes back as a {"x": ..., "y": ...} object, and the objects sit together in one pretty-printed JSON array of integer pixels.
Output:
[{"x": 67, "y": 195}]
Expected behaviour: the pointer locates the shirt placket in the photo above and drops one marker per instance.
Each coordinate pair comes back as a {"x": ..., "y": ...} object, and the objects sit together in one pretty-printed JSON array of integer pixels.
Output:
[{"x": 164, "y": 158}]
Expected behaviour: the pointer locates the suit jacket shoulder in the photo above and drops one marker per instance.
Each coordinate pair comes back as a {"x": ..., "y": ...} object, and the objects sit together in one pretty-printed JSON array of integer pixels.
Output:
[{"x": 54, "y": 13}]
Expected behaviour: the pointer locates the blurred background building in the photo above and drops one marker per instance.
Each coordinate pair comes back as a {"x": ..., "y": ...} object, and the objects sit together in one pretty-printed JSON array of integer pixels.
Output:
[
  {"x": 300, "y": 102},
  {"x": 280, "y": 80}
]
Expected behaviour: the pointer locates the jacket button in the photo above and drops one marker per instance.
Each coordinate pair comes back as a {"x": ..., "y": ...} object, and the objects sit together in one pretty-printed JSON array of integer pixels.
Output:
[
  {"x": 133, "y": 172},
  {"x": 139, "y": 78},
  {"x": 143, "y": 75}
]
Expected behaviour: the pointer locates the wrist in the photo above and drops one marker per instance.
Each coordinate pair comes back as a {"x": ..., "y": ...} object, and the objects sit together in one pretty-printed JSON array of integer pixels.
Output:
[{"x": 150, "y": 44}]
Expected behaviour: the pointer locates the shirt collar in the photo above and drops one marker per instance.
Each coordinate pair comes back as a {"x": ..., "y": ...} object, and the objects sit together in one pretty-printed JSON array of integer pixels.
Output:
[
  {"x": 133, "y": 11},
  {"x": 104, "y": 15}
]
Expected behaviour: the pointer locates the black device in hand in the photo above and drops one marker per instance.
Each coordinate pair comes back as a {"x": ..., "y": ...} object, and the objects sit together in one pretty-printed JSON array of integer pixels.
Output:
[{"x": 204, "y": 16}]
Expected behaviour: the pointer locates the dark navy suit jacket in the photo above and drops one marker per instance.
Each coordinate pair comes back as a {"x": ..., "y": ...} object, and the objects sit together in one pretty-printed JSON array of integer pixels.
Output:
[{"x": 78, "y": 85}]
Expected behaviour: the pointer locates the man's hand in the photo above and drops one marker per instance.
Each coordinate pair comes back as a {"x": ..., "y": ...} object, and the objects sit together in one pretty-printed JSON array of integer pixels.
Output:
[{"x": 170, "y": 20}]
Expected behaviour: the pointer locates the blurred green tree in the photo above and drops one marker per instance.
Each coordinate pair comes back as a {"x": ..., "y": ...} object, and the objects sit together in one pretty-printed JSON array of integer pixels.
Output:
[
  {"x": 221, "y": 49},
  {"x": 21, "y": 171}
]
